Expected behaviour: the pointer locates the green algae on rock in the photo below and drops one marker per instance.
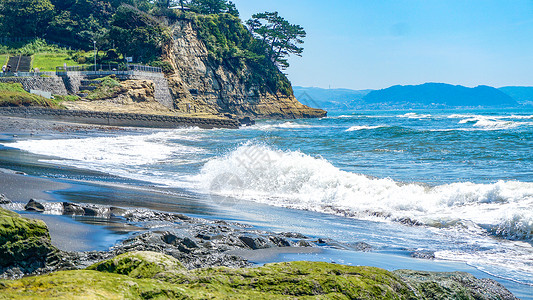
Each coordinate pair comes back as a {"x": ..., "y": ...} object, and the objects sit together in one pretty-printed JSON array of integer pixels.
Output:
[
  {"x": 139, "y": 264},
  {"x": 147, "y": 275},
  {"x": 24, "y": 243}
]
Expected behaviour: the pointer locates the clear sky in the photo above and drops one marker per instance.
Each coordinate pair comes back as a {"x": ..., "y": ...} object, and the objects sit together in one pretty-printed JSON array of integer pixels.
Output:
[{"x": 373, "y": 44}]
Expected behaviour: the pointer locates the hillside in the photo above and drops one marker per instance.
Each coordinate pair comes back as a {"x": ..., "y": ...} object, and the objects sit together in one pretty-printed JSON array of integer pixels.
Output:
[
  {"x": 330, "y": 99},
  {"x": 438, "y": 95},
  {"x": 213, "y": 62},
  {"x": 522, "y": 94}
]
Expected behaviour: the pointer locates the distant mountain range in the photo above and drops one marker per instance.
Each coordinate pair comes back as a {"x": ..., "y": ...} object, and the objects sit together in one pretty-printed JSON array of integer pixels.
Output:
[
  {"x": 522, "y": 94},
  {"x": 428, "y": 95},
  {"x": 329, "y": 99}
]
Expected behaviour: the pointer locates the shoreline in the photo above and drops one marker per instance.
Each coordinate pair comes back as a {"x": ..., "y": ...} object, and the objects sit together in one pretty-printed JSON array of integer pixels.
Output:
[
  {"x": 54, "y": 128},
  {"x": 187, "y": 247},
  {"x": 117, "y": 119}
]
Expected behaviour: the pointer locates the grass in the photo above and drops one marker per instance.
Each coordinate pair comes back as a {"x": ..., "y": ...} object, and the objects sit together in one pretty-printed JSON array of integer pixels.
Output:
[
  {"x": 108, "y": 87},
  {"x": 49, "y": 61},
  {"x": 3, "y": 59},
  {"x": 13, "y": 94}
]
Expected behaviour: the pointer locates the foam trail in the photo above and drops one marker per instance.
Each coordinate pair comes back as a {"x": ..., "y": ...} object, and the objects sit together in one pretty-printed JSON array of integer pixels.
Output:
[{"x": 363, "y": 127}]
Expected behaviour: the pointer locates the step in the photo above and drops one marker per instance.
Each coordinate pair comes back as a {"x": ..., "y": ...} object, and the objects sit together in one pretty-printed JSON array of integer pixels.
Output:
[
  {"x": 90, "y": 82},
  {"x": 88, "y": 88},
  {"x": 24, "y": 64}
]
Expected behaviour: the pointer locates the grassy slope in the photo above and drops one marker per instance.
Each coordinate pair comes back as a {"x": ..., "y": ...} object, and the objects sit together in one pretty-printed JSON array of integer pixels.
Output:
[
  {"x": 3, "y": 59},
  {"x": 12, "y": 94},
  {"x": 49, "y": 61}
]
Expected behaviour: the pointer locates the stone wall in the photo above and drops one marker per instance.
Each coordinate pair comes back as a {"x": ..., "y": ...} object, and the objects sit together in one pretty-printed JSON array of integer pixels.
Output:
[
  {"x": 117, "y": 119},
  {"x": 55, "y": 85},
  {"x": 63, "y": 85},
  {"x": 162, "y": 92}
]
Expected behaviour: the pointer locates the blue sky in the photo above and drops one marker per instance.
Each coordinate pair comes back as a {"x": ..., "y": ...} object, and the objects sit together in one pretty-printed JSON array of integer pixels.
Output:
[{"x": 374, "y": 44}]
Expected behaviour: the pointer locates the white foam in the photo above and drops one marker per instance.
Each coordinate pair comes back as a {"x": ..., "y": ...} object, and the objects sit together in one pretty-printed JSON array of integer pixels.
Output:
[
  {"x": 414, "y": 116},
  {"x": 125, "y": 156},
  {"x": 285, "y": 125},
  {"x": 363, "y": 127},
  {"x": 293, "y": 179},
  {"x": 490, "y": 123}
]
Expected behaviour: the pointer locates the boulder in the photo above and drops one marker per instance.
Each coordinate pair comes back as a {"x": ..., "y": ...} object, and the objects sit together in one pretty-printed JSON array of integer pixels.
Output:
[
  {"x": 4, "y": 199},
  {"x": 255, "y": 242},
  {"x": 72, "y": 209},
  {"x": 33, "y": 205}
]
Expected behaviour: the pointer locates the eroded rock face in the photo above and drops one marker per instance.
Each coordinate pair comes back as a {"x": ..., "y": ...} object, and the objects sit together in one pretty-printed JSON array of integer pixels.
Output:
[{"x": 200, "y": 86}]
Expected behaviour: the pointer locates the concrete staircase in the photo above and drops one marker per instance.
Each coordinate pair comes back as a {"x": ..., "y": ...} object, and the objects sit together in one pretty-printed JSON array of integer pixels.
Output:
[
  {"x": 87, "y": 86},
  {"x": 20, "y": 63}
]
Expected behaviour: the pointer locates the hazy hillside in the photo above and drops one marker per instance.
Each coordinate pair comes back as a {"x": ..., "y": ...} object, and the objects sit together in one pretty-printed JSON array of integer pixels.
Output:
[
  {"x": 522, "y": 94},
  {"x": 330, "y": 99},
  {"x": 438, "y": 95}
]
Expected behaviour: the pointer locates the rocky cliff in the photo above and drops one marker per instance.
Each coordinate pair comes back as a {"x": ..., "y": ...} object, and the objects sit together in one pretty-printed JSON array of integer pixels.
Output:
[{"x": 200, "y": 84}]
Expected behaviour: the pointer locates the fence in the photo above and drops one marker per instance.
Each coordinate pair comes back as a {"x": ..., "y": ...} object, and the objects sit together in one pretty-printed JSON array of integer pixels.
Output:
[
  {"x": 108, "y": 67},
  {"x": 26, "y": 74}
]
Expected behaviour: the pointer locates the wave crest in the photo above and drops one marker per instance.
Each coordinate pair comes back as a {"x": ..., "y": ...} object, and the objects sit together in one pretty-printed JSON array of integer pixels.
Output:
[{"x": 296, "y": 180}]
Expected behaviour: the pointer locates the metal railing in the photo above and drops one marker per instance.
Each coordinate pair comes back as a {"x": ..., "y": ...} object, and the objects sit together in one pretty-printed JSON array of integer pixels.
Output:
[
  {"x": 107, "y": 68},
  {"x": 26, "y": 74}
]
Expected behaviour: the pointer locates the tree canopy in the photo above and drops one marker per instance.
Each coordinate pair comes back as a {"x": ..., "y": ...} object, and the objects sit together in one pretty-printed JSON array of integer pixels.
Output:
[
  {"x": 209, "y": 7},
  {"x": 25, "y": 17},
  {"x": 281, "y": 36}
]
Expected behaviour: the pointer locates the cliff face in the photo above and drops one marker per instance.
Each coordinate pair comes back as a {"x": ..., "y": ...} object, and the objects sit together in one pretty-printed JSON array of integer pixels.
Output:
[{"x": 199, "y": 85}]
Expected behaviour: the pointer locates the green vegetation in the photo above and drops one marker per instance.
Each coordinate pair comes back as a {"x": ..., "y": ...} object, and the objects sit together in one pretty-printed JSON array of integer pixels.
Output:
[
  {"x": 210, "y": 7},
  {"x": 138, "y": 34},
  {"x": 150, "y": 275},
  {"x": 140, "y": 29},
  {"x": 49, "y": 61},
  {"x": 142, "y": 275},
  {"x": 107, "y": 87},
  {"x": 280, "y": 36},
  {"x": 12, "y": 94},
  {"x": 22, "y": 240},
  {"x": 3, "y": 59},
  {"x": 231, "y": 44},
  {"x": 63, "y": 98}
]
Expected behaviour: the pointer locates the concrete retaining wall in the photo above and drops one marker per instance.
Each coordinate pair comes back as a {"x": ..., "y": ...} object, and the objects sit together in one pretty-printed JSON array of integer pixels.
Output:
[
  {"x": 116, "y": 119},
  {"x": 62, "y": 85},
  {"x": 54, "y": 85}
]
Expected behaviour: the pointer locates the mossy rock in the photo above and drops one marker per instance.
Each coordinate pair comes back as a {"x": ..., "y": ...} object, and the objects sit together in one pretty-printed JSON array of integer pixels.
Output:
[
  {"x": 14, "y": 228},
  {"x": 23, "y": 242},
  {"x": 140, "y": 264},
  {"x": 87, "y": 285},
  {"x": 303, "y": 279},
  {"x": 148, "y": 275}
]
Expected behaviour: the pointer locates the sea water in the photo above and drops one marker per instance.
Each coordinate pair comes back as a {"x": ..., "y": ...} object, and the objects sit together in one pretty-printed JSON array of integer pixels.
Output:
[{"x": 456, "y": 183}]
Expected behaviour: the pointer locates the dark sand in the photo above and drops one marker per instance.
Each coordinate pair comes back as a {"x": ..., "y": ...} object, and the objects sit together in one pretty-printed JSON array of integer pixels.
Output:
[{"x": 66, "y": 233}]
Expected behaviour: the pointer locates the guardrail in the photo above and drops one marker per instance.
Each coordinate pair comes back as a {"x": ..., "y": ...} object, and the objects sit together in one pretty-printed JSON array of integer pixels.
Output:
[
  {"x": 108, "y": 67},
  {"x": 27, "y": 74}
]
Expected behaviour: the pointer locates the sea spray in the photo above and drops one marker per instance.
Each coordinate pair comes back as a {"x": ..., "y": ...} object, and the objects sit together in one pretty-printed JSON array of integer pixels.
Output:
[{"x": 295, "y": 180}]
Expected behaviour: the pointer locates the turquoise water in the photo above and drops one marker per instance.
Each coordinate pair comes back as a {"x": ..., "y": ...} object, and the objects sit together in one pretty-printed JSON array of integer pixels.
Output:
[{"x": 456, "y": 183}]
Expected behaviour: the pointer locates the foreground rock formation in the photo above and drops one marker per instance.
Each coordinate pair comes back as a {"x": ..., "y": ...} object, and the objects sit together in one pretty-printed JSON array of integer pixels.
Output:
[{"x": 146, "y": 275}]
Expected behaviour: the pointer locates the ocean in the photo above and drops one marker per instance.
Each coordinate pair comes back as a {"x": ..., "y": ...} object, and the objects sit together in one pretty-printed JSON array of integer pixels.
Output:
[{"x": 454, "y": 184}]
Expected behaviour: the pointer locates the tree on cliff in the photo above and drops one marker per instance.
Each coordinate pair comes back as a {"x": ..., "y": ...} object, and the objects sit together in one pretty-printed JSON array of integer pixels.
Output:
[
  {"x": 279, "y": 35},
  {"x": 208, "y": 7},
  {"x": 22, "y": 18}
]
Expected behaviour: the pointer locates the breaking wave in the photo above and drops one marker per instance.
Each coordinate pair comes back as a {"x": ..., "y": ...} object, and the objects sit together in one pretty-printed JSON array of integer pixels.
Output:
[
  {"x": 295, "y": 180},
  {"x": 363, "y": 127}
]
